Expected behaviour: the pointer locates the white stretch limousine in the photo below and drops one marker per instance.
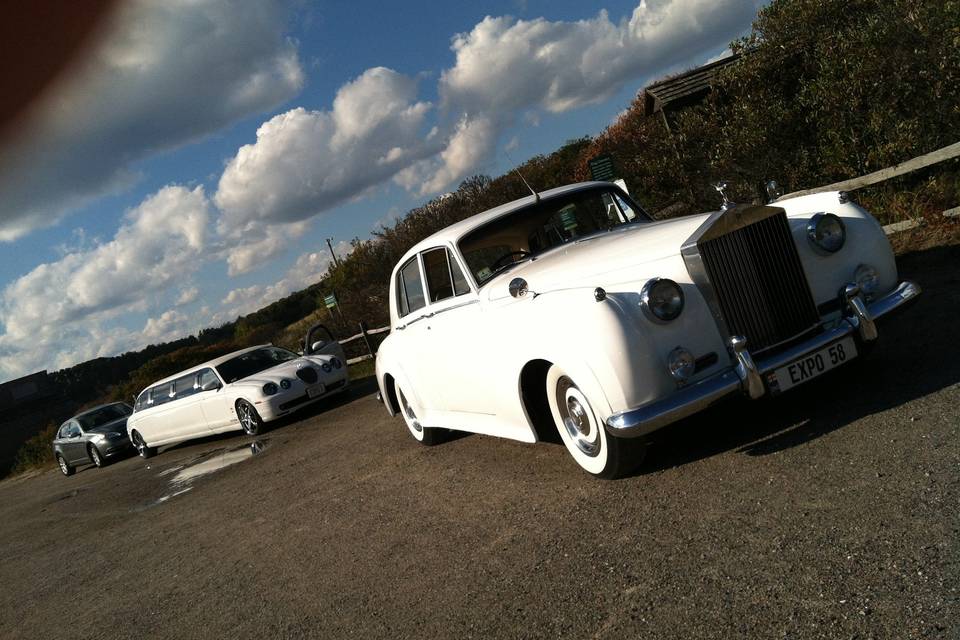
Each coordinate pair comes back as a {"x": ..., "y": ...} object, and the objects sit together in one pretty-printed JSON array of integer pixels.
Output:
[{"x": 240, "y": 390}]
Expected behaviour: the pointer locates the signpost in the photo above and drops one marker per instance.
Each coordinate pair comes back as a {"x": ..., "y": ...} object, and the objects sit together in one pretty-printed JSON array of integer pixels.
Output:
[
  {"x": 330, "y": 301},
  {"x": 601, "y": 168}
]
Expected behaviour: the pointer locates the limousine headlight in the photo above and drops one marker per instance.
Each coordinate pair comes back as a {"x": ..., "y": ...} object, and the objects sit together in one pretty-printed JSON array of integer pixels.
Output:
[
  {"x": 284, "y": 383},
  {"x": 270, "y": 388}
]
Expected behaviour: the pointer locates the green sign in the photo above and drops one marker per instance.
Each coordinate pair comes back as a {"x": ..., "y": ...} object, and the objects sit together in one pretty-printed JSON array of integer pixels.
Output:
[
  {"x": 330, "y": 301},
  {"x": 601, "y": 168}
]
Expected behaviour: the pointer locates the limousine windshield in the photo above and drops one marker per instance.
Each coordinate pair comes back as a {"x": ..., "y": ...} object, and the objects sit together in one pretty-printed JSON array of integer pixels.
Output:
[{"x": 251, "y": 362}]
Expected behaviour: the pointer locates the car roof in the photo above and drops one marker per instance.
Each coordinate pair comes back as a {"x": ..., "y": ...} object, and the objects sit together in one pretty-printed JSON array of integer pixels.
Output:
[
  {"x": 453, "y": 233},
  {"x": 96, "y": 408},
  {"x": 206, "y": 365}
]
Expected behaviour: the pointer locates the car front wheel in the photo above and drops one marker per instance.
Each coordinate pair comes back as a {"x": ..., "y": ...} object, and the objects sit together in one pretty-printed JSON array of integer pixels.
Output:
[
  {"x": 95, "y": 456},
  {"x": 249, "y": 418},
  {"x": 584, "y": 434},
  {"x": 65, "y": 468}
]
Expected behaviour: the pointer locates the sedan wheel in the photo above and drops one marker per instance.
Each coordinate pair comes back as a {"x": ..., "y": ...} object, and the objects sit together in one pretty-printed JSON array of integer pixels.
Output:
[
  {"x": 95, "y": 456},
  {"x": 65, "y": 468},
  {"x": 249, "y": 418},
  {"x": 584, "y": 434},
  {"x": 424, "y": 435}
]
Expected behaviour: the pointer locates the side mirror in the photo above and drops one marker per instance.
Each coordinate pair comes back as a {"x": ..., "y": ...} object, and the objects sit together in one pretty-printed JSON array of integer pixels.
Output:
[
  {"x": 210, "y": 385},
  {"x": 316, "y": 346}
]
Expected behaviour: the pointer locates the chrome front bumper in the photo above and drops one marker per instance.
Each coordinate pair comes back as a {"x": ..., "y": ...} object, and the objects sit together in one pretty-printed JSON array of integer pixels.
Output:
[{"x": 747, "y": 376}]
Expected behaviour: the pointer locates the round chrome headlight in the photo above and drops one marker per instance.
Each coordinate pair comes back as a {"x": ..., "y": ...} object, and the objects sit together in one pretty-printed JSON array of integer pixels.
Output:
[
  {"x": 661, "y": 300},
  {"x": 270, "y": 388},
  {"x": 826, "y": 232},
  {"x": 869, "y": 280},
  {"x": 284, "y": 383},
  {"x": 682, "y": 364}
]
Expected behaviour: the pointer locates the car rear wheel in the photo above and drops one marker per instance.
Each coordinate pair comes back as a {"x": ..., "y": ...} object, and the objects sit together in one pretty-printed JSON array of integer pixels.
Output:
[
  {"x": 249, "y": 418},
  {"x": 584, "y": 434},
  {"x": 141, "y": 445},
  {"x": 95, "y": 456},
  {"x": 424, "y": 435},
  {"x": 65, "y": 468}
]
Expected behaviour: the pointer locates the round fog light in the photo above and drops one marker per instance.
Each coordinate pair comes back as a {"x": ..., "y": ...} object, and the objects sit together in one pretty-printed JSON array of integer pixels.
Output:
[
  {"x": 866, "y": 276},
  {"x": 681, "y": 364},
  {"x": 326, "y": 367}
]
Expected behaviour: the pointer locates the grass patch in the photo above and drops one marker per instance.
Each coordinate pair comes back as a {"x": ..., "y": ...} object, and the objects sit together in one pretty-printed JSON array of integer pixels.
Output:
[
  {"x": 363, "y": 369},
  {"x": 37, "y": 452}
]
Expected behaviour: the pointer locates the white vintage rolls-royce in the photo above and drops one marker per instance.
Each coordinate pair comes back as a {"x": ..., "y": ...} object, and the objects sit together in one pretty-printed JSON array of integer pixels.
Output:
[
  {"x": 572, "y": 311},
  {"x": 241, "y": 390}
]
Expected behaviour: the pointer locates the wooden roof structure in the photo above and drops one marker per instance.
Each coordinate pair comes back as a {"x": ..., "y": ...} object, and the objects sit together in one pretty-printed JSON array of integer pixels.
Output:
[{"x": 683, "y": 89}]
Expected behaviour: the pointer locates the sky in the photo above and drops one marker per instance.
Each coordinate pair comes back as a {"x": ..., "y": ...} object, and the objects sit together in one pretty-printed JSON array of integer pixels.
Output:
[{"x": 191, "y": 166}]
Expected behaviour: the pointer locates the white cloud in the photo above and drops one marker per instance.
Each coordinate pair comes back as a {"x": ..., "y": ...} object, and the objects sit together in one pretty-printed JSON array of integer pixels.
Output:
[
  {"x": 260, "y": 244},
  {"x": 187, "y": 296},
  {"x": 56, "y": 312},
  {"x": 167, "y": 73},
  {"x": 305, "y": 162},
  {"x": 308, "y": 269},
  {"x": 506, "y": 69},
  {"x": 168, "y": 326}
]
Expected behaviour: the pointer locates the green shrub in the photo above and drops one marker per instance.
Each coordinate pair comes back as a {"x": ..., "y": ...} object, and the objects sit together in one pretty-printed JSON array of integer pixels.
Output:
[{"x": 37, "y": 452}]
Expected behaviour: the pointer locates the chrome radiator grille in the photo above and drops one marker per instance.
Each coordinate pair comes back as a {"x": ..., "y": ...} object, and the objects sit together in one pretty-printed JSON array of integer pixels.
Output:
[{"x": 759, "y": 283}]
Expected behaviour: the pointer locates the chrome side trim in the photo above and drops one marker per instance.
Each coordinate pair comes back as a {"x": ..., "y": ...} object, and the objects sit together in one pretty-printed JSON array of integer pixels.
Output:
[{"x": 745, "y": 373}]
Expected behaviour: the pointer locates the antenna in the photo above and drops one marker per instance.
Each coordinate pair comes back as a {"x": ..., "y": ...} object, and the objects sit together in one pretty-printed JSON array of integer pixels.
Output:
[{"x": 536, "y": 196}]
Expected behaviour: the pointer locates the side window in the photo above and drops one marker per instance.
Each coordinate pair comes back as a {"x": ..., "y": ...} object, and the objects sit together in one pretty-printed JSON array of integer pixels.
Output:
[
  {"x": 64, "y": 429},
  {"x": 410, "y": 288},
  {"x": 185, "y": 386},
  {"x": 207, "y": 375},
  {"x": 460, "y": 285},
  {"x": 143, "y": 401},
  {"x": 437, "y": 268},
  {"x": 161, "y": 394},
  {"x": 629, "y": 213}
]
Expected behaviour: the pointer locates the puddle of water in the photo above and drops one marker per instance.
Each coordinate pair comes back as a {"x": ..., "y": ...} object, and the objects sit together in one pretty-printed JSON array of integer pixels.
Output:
[
  {"x": 184, "y": 475},
  {"x": 215, "y": 461}
]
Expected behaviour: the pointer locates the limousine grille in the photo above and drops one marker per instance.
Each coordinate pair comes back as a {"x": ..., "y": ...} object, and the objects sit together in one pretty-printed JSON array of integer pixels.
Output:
[
  {"x": 759, "y": 283},
  {"x": 307, "y": 374}
]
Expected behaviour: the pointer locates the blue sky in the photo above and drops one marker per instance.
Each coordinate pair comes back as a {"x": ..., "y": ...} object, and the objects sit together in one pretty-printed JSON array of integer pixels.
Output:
[{"x": 189, "y": 169}]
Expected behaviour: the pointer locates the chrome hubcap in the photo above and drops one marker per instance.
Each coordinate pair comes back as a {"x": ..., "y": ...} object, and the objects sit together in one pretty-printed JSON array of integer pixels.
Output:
[
  {"x": 95, "y": 456},
  {"x": 63, "y": 465},
  {"x": 409, "y": 414},
  {"x": 577, "y": 417}
]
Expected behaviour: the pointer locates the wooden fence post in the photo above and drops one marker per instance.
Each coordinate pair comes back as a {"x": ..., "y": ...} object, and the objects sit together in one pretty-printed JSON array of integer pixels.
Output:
[{"x": 366, "y": 338}]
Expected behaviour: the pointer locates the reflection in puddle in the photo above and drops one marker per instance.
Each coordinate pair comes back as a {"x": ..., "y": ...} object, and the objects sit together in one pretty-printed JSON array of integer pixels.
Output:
[
  {"x": 204, "y": 464},
  {"x": 214, "y": 461}
]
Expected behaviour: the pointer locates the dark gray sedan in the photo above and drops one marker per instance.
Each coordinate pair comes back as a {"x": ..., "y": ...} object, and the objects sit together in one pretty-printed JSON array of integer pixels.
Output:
[{"x": 93, "y": 436}]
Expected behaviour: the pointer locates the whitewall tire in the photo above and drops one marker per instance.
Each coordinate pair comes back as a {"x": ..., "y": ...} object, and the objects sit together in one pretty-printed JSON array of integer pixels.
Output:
[{"x": 410, "y": 413}]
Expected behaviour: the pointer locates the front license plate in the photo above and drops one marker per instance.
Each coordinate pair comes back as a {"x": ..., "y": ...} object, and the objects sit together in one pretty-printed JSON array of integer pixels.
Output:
[
  {"x": 812, "y": 365},
  {"x": 314, "y": 391}
]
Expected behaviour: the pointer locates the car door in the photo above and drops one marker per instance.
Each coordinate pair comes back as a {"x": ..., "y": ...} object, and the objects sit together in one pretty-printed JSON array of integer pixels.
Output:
[
  {"x": 74, "y": 447},
  {"x": 213, "y": 401},
  {"x": 415, "y": 352},
  {"x": 187, "y": 405},
  {"x": 454, "y": 333},
  {"x": 320, "y": 340}
]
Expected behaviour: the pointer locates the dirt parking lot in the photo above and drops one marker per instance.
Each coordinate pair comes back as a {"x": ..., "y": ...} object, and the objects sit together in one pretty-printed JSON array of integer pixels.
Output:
[{"x": 831, "y": 512}]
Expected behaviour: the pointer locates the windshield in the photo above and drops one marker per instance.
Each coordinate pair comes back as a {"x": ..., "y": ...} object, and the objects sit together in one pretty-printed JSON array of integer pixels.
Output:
[
  {"x": 527, "y": 232},
  {"x": 104, "y": 415},
  {"x": 252, "y": 362}
]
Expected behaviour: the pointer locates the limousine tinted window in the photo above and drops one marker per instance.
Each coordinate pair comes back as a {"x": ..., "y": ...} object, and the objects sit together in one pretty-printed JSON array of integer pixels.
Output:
[
  {"x": 251, "y": 362},
  {"x": 185, "y": 386}
]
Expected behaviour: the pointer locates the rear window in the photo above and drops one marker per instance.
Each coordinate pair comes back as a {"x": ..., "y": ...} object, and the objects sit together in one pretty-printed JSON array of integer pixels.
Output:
[{"x": 410, "y": 288}]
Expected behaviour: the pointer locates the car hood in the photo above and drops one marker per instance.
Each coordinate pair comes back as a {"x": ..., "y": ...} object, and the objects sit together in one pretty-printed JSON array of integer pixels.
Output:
[
  {"x": 600, "y": 259},
  {"x": 287, "y": 370},
  {"x": 116, "y": 426}
]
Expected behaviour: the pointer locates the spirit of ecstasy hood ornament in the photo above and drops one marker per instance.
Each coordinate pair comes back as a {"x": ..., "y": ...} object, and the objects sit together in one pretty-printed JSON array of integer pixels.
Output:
[{"x": 721, "y": 187}]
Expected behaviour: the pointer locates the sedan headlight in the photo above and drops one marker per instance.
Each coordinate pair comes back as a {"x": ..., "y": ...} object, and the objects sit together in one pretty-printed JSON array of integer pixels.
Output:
[
  {"x": 270, "y": 388},
  {"x": 661, "y": 300},
  {"x": 826, "y": 232},
  {"x": 284, "y": 383}
]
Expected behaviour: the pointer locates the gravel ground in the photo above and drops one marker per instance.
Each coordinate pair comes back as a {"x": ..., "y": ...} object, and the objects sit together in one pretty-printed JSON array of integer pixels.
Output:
[{"x": 831, "y": 512}]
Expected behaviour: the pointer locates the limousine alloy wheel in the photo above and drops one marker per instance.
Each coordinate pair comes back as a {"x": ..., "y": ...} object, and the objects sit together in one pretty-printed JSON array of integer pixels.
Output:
[
  {"x": 141, "y": 446},
  {"x": 583, "y": 432},
  {"x": 249, "y": 418}
]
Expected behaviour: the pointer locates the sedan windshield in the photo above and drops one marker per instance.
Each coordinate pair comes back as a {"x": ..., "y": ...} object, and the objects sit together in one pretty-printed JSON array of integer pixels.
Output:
[
  {"x": 104, "y": 415},
  {"x": 527, "y": 232},
  {"x": 251, "y": 362}
]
